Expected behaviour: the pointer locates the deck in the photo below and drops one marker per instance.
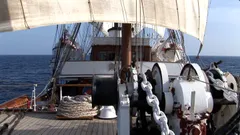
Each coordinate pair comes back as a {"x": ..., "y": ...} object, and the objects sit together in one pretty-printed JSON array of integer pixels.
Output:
[{"x": 47, "y": 124}]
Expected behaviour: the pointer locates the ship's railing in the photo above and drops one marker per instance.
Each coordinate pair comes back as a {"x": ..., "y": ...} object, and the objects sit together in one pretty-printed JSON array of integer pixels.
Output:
[
  {"x": 71, "y": 85},
  {"x": 32, "y": 101}
]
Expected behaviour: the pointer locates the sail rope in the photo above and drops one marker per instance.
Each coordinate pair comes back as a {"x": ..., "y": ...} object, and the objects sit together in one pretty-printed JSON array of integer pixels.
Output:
[
  {"x": 56, "y": 62},
  {"x": 95, "y": 34},
  {"x": 67, "y": 50},
  {"x": 215, "y": 85},
  {"x": 143, "y": 36},
  {"x": 117, "y": 57},
  {"x": 62, "y": 59},
  {"x": 62, "y": 55}
]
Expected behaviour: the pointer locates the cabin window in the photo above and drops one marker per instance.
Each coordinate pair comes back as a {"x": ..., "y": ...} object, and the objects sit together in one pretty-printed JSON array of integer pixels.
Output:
[
  {"x": 110, "y": 56},
  {"x": 106, "y": 55},
  {"x": 134, "y": 56}
]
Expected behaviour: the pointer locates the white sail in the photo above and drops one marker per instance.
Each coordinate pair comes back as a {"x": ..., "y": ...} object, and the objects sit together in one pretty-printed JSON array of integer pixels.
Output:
[{"x": 189, "y": 16}]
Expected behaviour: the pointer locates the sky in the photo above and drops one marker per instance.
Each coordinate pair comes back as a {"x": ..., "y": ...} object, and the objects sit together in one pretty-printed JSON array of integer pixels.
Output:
[{"x": 222, "y": 37}]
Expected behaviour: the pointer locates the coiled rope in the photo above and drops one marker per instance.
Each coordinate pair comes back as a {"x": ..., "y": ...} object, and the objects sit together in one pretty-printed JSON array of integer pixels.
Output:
[{"x": 76, "y": 107}]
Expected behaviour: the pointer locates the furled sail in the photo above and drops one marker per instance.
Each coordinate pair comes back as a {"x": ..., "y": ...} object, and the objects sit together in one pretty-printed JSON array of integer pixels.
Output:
[{"x": 189, "y": 16}]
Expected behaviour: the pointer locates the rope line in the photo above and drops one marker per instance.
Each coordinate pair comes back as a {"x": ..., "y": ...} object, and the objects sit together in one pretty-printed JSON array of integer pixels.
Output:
[{"x": 216, "y": 86}]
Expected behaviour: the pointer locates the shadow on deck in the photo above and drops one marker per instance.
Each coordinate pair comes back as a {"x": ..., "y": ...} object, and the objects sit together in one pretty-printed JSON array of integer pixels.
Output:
[{"x": 47, "y": 124}]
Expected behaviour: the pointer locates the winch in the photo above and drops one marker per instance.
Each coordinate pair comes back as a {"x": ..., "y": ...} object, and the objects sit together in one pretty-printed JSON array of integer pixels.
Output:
[{"x": 190, "y": 103}]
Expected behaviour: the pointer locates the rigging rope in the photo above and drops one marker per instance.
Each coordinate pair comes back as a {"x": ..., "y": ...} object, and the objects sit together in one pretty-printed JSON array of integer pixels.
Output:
[
  {"x": 63, "y": 56},
  {"x": 227, "y": 89}
]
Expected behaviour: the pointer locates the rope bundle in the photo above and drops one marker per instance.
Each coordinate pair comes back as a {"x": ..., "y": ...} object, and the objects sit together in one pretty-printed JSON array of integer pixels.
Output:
[{"x": 76, "y": 107}]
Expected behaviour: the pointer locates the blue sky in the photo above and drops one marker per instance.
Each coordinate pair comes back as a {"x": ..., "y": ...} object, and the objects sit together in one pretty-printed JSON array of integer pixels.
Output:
[{"x": 222, "y": 34}]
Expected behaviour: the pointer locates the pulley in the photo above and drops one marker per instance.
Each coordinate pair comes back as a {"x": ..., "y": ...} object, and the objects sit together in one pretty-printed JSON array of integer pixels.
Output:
[
  {"x": 224, "y": 103},
  {"x": 193, "y": 71},
  {"x": 192, "y": 100},
  {"x": 193, "y": 80},
  {"x": 160, "y": 75}
]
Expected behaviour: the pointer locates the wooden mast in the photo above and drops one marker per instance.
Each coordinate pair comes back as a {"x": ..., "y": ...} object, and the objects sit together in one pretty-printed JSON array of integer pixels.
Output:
[{"x": 126, "y": 49}]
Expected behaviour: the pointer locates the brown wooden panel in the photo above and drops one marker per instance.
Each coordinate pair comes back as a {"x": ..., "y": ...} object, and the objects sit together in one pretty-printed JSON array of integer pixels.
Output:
[{"x": 96, "y": 49}]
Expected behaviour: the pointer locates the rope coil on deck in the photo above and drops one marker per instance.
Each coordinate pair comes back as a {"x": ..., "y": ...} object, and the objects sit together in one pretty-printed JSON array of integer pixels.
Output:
[{"x": 76, "y": 107}]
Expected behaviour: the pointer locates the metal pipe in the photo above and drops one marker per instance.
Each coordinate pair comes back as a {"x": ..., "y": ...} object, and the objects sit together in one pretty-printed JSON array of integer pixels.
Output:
[
  {"x": 34, "y": 98},
  {"x": 60, "y": 93}
]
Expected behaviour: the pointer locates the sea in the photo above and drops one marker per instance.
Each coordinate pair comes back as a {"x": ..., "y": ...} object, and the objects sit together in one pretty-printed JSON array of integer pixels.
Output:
[{"x": 18, "y": 73}]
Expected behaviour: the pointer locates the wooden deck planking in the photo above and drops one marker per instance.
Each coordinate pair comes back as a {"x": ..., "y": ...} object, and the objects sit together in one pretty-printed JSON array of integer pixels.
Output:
[
  {"x": 73, "y": 127},
  {"x": 85, "y": 127},
  {"x": 105, "y": 128},
  {"x": 59, "y": 128},
  {"x": 51, "y": 129},
  {"x": 66, "y": 128},
  {"x": 50, "y": 126},
  {"x": 3, "y": 117},
  {"x": 38, "y": 124},
  {"x": 22, "y": 127},
  {"x": 95, "y": 128},
  {"x": 47, "y": 124},
  {"x": 90, "y": 127},
  {"x": 80, "y": 127},
  {"x": 57, "y": 124}
]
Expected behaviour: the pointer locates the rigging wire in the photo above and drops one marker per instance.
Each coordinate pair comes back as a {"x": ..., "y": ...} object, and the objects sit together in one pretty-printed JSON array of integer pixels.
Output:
[
  {"x": 136, "y": 37},
  {"x": 117, "y": 52},
  {"x": 143, "y": 35},
  {"x": 63, "y": 56},
  {"x": 119, "y": 57}
]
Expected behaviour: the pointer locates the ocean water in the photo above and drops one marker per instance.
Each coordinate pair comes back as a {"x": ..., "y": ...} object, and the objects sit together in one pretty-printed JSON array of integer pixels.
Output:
[
  {"x": 229, "y": 63},
  {"x": 18, "y": 73}
]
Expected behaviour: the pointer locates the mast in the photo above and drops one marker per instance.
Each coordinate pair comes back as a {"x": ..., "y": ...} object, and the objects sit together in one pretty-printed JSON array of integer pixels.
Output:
[{"x": 126, "y": 49}]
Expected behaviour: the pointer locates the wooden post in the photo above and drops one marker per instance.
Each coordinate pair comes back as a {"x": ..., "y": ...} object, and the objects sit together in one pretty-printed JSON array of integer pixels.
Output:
[
  {"x": 126, "y": 58},
  {"x": 126, "y": 49}
]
